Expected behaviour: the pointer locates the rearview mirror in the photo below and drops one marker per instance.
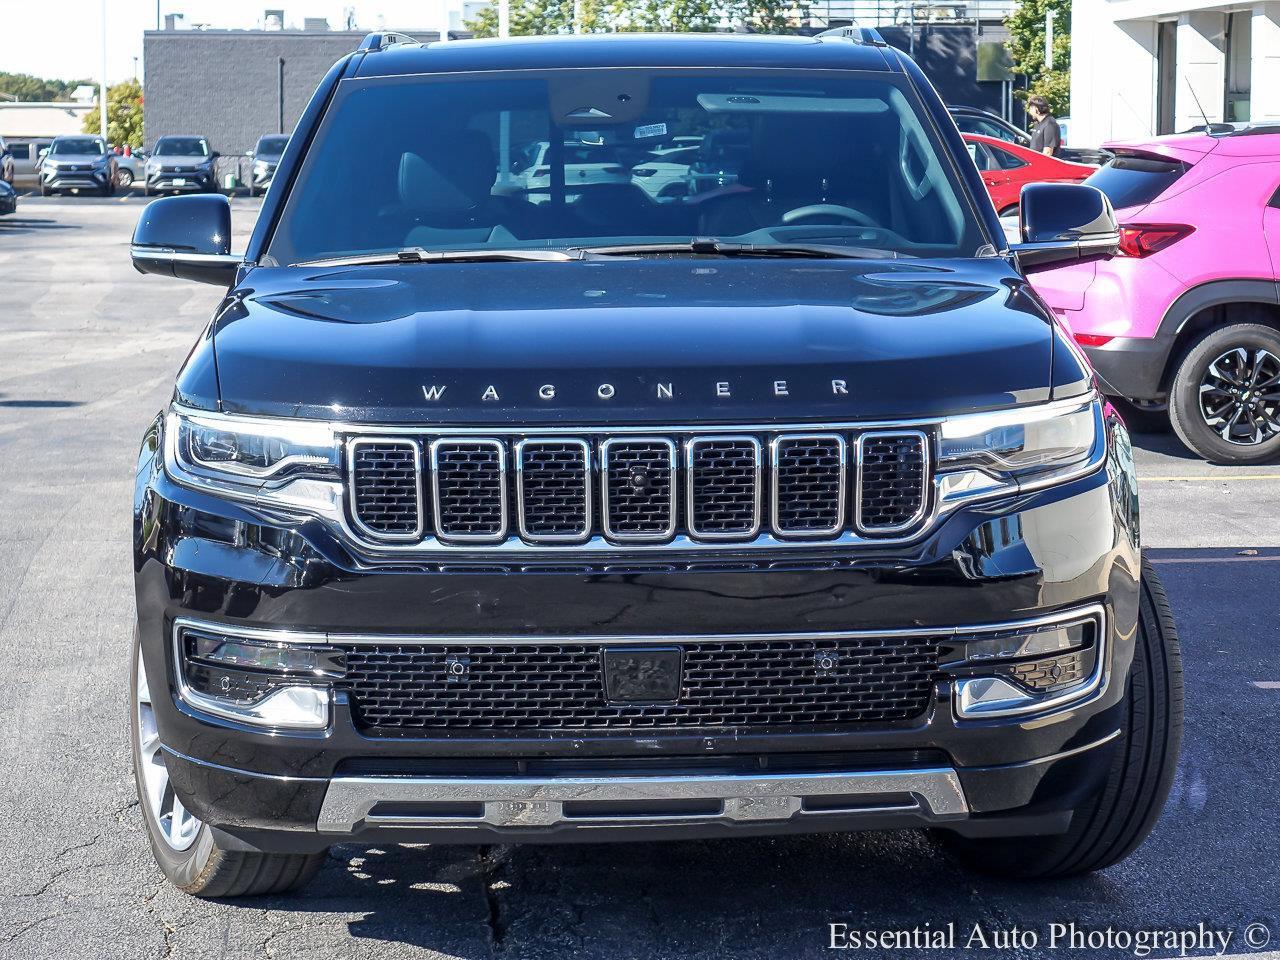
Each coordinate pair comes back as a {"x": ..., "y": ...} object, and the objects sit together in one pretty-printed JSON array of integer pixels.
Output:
[
  {"x": 186, "y": 237},
  {"x": 1060, "y": 222}
]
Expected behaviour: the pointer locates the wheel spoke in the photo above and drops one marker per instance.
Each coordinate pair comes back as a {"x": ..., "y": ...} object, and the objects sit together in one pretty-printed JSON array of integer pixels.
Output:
[
  {"x": 177, "y": 826},
  {"x": 1240, "y": 396}
]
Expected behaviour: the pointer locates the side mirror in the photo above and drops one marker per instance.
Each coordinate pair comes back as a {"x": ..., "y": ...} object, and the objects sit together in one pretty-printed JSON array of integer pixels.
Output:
[
  {"x": 214, "y": 154},
  {"x": 187, "y": 237},
  {"x": 1060, "y": 222}
]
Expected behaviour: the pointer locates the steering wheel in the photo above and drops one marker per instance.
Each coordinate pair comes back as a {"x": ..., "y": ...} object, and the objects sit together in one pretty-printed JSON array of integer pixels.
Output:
[{"x": 829, "y": 210}]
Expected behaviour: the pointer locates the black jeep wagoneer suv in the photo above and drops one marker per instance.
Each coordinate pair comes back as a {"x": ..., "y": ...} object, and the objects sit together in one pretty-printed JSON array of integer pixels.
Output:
[{"x": 511, "y": 503}]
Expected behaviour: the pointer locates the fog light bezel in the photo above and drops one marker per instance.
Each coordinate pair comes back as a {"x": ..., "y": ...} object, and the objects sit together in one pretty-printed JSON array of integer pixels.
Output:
[
  {"x": 993, "y": 695},
  {"x": 312, "y": 694}
]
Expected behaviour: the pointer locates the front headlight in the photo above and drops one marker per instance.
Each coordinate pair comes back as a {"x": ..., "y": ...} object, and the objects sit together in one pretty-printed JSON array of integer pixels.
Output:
[
  {"x": 1030, "y": 447},
  {"x": 292, "y": 464}
]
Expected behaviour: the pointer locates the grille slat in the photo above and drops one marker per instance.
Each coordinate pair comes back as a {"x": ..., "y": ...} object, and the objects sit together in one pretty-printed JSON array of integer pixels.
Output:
[
  {"x": 469, "y": 483},
  {"x": 774, "y": 682},
  {"x": 554, "y": 489},
  {"x": 386, "y": 496},
  {"x": 723, "y": 478},
  {"x": 644, "y": 489},
  {"x": 893, "y": 472},
  {"x": 639, "y": 488},
  {"x": 809, "y": 484}
]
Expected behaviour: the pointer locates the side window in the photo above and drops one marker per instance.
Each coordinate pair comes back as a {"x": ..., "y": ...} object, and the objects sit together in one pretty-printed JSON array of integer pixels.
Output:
[
  {"x": 21, "y": 151},
  {"x": 989, "y": 129},
  {"x": 981, "y": 159},
  {"x": 1006, "y": 160},
  {"x": 1275, "y": 199}
]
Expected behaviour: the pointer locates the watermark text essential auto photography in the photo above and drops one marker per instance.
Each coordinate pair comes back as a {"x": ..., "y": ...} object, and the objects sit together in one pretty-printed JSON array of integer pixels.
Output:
[{"x": 710, "y": 479}]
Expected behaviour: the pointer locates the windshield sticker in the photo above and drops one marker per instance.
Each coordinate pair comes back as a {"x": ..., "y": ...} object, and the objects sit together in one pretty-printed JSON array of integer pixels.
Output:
[{"x": 651, "y": 130}]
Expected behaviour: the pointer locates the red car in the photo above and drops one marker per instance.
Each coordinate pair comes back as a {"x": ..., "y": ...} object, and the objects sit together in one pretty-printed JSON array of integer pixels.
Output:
[{"x": 1005, "y": 167}]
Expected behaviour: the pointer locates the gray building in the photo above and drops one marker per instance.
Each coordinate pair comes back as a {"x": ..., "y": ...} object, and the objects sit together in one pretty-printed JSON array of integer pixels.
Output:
[{"x": 233, "y": 86}]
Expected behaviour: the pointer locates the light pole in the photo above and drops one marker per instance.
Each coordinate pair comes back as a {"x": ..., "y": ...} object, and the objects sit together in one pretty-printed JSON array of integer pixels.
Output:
[
  {"x": 102, "y": 90},
  {"x": 1048, "y": 38}
]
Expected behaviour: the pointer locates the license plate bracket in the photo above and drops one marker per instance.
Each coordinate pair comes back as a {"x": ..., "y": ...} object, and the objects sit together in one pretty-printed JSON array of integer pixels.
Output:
[{"x": 643, "y": 674}]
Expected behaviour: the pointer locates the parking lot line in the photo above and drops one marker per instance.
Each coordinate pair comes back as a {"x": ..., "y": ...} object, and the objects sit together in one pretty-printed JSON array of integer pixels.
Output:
[{"x": 1223, "y": 478}]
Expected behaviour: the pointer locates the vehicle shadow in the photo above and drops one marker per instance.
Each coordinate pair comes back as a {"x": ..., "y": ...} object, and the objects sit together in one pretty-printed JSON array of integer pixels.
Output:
[{"x": 16, "y": 225}]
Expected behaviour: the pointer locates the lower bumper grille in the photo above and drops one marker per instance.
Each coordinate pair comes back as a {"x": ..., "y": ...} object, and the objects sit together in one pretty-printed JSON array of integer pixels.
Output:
[{"x": 733, "y": 683}]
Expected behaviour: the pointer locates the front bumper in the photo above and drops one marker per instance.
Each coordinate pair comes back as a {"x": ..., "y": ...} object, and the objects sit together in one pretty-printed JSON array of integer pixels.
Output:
[
  {"x": 74, "y": 179},
  {"x": 1044, "y": 552},
  {"x": 166, "y": 180}
]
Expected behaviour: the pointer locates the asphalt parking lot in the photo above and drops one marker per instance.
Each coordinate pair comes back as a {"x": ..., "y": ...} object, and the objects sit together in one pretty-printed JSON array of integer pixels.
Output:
[{"x": 88, "y": 349}]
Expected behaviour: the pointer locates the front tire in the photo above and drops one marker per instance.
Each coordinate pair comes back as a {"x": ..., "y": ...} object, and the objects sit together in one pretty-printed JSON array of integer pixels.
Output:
[
  {"x": 183, "y": 847},
  {"x": 1112, "y": 824},
  {"x": 124, "y": 178},
  {"x": 1224, "y": 400}
]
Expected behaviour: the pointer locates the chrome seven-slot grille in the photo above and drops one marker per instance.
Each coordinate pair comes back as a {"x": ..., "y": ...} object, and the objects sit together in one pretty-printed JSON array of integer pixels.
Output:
[
  {"x": 774, "y": 681},
  {"x": 637, "y": 489}
]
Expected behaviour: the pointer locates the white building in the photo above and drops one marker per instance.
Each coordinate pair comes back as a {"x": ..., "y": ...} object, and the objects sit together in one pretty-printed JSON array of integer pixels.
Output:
[{"x": 1143, "y": 67}]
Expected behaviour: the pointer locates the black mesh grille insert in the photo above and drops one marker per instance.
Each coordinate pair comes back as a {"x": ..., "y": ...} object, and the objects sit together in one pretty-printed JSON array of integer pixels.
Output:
[
  {"x": 640, "y": 486},
  {"x": 384, "y": 483},
  {"x": 810, "y": 485},
  {"x": 724, "y": 474},
  {"x": 892, "y": 471},
  {"x": 554, "y": 490},
  {"x": 471, "y": 489},
  {"x": 758, "y": 683}
]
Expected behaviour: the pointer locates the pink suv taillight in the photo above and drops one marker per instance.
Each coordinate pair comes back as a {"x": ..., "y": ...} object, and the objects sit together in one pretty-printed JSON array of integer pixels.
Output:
[{"x": 1143, "y": 239}]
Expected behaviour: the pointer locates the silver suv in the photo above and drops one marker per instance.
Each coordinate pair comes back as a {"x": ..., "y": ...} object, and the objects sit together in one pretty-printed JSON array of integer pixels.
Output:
[{"x": 78, "y": 163}]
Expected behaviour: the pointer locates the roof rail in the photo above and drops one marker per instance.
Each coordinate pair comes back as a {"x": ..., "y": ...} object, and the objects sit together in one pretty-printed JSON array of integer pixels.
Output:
[
  {"x": 380, "y": 41},
  {"x": 855, "y": 33}
]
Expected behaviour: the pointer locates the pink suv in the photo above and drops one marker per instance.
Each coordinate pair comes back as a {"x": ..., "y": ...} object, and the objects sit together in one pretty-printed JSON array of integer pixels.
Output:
[{"x": 1188, "y": 314}]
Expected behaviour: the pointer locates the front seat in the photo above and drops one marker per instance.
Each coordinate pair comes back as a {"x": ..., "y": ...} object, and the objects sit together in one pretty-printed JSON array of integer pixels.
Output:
[
  {"x": 790, "y": 166},
  {"x": 445, "y": 192}
]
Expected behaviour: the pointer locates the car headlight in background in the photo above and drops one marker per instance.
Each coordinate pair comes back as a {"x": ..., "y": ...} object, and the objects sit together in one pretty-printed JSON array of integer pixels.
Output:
[
  {"x": 1029, "y": 447},
  {"x": 292, "y": 464}
]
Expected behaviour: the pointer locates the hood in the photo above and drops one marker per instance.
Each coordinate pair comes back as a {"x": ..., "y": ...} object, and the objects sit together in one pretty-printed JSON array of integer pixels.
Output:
[
  {"x": 76, "y": 158},
  {"x": 635, "y": 340}
]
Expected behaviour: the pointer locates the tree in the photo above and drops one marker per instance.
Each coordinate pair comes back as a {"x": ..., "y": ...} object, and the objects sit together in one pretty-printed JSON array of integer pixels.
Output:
[
  {"x": 29, "y": 89},
  {"x": 1026, "y": 44},
  {"x": 538, "y": 17},
  {"x": 124, "y": 115}
]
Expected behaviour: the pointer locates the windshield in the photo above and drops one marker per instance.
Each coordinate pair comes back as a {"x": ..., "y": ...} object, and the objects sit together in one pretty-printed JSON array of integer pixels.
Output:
[
  {"x": 1131, "y": 181},
  {"x": 564, "y": 159},
  {"x": 78, "y": 146},
  {"x": 182, "y": 147},
  {"x": 272, "y": 146}
]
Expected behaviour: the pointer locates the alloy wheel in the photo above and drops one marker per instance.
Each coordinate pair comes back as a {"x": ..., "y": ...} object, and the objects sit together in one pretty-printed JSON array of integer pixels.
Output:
[
  {"x": 178, "y": 825},
  {"x": 1240, "y": 396}
]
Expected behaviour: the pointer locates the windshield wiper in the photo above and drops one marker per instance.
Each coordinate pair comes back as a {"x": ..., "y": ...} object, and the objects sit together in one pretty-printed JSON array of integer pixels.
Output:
[
  {"x": 419, "y": 255},
  {"x": 730, "y": 248}
]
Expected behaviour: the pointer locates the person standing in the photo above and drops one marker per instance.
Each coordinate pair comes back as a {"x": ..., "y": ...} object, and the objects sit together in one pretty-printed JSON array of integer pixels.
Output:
[{"x": 1046, "y": 135}]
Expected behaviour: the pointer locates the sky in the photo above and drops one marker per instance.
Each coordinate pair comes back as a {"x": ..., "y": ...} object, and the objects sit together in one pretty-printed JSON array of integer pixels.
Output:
[{"x": 63, "y": 40}]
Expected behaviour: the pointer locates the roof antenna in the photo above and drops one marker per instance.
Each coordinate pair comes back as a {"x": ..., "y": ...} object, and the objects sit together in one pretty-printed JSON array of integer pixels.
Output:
[{"x": 1208, "y": 127}]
